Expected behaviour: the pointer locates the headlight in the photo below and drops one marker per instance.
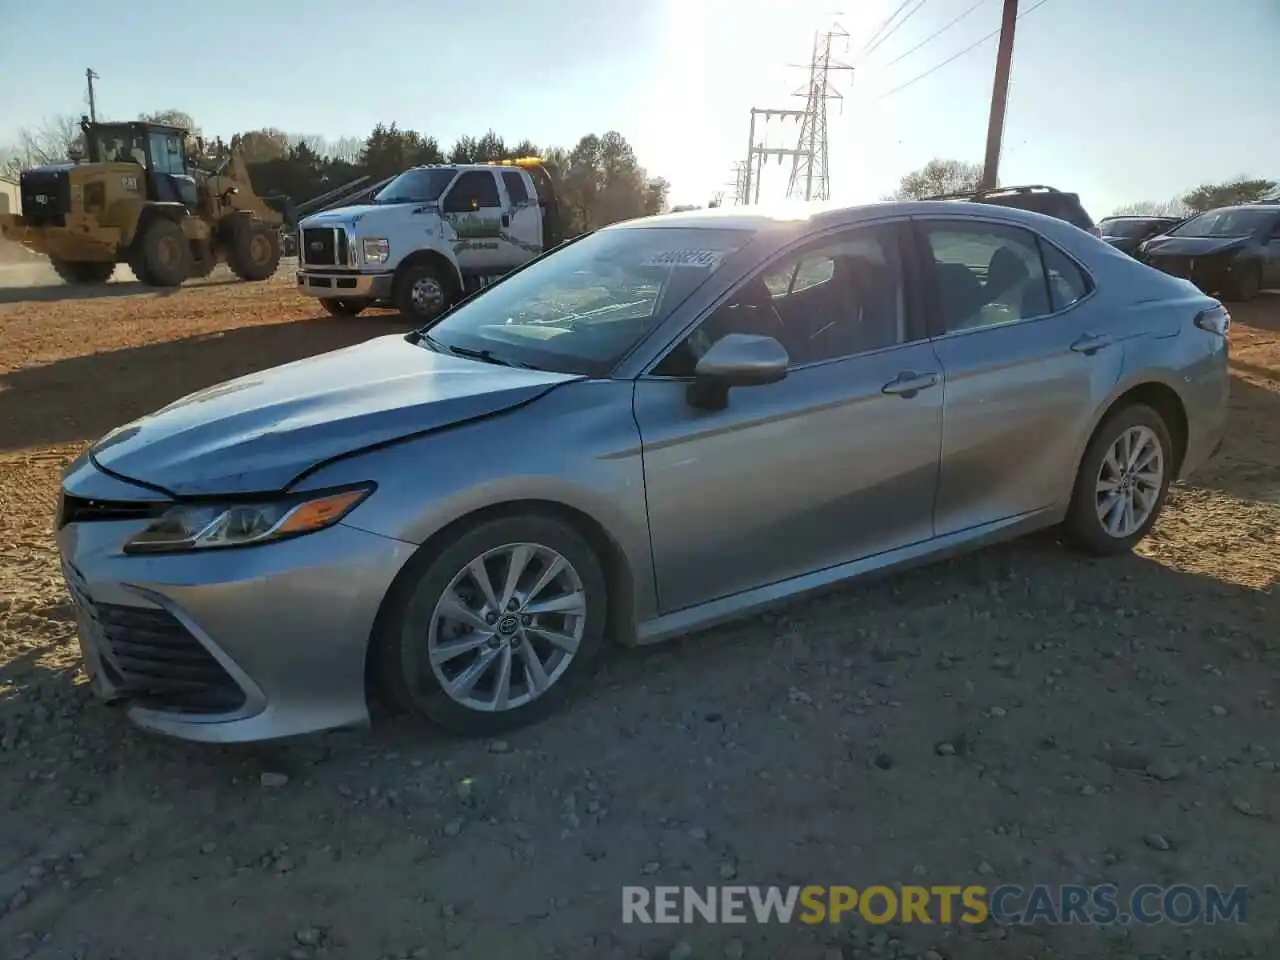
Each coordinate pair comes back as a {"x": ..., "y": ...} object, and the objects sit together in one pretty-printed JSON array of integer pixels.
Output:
[
  {"x": 376, "y": 249},
  {"x": 204, "y": 526}
]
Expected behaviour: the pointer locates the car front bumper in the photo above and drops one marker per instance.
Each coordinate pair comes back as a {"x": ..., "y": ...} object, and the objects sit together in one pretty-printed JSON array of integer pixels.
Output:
[
  {"x": 229, "y": 645},
  {"x": 1211, "y": 273},
  {"x": 339, "y": 285}
]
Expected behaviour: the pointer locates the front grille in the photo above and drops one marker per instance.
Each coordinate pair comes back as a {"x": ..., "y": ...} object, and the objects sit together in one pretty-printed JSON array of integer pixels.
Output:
[
  {"x": 325, "y": 247},
  {"x": 153, "y": 659},
  {"x": 46, "y": 197},
  {"x": 72, "y": 509}
]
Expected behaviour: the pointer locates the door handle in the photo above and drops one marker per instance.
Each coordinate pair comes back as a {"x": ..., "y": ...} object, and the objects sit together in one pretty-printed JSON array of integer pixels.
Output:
[
  {"x": 909, "y": 383},
  {"x": 506, "y": 219},
  {"x": 1091, "y": 343}
]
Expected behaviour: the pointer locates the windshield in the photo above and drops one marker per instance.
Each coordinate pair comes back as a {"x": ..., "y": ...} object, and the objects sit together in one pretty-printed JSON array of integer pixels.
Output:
[
  {"x": 580, "y": 309},
  {"x": 117, "y": 144},
  {"x": 416, "y": 186},
  {"x": 1225, "y": 223},
  {"x": 1127, "y": 228}
]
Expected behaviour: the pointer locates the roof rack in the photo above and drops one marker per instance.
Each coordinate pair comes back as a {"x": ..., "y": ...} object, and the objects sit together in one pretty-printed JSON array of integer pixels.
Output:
[{"x": 994, "y": 191}]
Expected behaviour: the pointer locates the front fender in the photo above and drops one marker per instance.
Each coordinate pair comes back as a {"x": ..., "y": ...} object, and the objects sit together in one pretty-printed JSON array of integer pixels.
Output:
[{"x": 576, "y": 447}]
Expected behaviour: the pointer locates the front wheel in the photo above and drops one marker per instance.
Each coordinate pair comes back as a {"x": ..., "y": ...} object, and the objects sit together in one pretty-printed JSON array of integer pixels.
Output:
[
  {"x": 495, "y": 630},
  {"x": 423, "y": 291},
  {"x": 1247, "y": 286},
  {"x": 163, "y": 256},
  {"x": 1122, "y": 482},
  {"x": 345, "y": 308},
  {"x": 80, "y": 272}
]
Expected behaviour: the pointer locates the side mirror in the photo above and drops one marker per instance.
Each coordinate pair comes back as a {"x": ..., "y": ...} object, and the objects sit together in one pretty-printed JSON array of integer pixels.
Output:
[{"x": 736, "y": 360}]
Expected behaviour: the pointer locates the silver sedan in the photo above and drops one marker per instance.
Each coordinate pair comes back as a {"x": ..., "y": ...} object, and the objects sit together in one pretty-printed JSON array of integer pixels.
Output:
[{"x": 658, "y": 426}]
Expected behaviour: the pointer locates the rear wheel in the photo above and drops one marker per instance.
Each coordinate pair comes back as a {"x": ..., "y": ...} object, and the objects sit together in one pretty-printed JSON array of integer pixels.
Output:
[
  {"x": 494, "y": 630},
  {"x": 423, "y": 291},
  {"x": 1122, "y": 482},
  {"x": 345, "y": 308},
  {"x": 81, "y": 271},
  {"x": 163, "y": 255}
]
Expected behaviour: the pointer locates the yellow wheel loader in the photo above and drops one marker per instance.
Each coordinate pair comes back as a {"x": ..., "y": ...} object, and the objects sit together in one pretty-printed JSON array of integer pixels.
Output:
[{"x": 138, "y": 199}]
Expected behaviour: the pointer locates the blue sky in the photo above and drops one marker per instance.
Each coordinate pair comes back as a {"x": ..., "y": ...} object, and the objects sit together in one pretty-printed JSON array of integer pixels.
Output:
[{"x": 1120, "y": 100}]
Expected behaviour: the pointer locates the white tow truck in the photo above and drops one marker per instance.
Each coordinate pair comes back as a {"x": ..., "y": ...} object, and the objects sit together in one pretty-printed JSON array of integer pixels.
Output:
[{"x": 430, "y": 237}]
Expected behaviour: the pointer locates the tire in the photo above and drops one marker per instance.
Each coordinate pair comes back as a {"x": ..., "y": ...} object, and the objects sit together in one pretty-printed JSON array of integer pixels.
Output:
[
  {"x": 411, "y": 626},
  {"x": 164, "y": 255},
  {"x": 254, "y": 251},
  {"x": 1247, "y": 287},
  {"x": 1083, "y": 525},
  {"x": 423, "y": 291},
  {"x": 345, "y": 308},
  {"x": 79, "y": 272}
]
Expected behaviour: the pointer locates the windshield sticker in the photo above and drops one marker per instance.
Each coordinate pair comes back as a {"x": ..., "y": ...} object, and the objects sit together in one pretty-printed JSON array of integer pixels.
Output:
[{"x": 703, "y": 259}]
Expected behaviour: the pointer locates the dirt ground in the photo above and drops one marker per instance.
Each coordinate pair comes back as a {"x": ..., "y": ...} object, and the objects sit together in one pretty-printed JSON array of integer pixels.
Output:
[{"x": 1017, "y": 716}]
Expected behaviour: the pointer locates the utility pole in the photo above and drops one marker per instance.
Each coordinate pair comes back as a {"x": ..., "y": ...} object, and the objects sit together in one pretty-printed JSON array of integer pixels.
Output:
[
  {"x": 90, "y": 76},
  {"x": 999, "y": 96}
]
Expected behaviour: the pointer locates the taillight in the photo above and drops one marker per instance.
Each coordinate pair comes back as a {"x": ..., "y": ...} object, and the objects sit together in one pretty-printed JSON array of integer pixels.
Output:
[{"x": 1215, "y": 320}]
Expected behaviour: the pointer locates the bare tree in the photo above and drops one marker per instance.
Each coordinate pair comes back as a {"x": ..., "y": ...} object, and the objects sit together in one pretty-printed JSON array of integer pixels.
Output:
[
  {"x": 1152, "y": 208},
  {"x": 54, "y": 140},
  {"x": 938, "y": 177}
]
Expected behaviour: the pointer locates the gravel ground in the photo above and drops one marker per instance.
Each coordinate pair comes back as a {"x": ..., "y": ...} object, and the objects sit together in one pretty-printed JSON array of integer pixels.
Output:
[{"x": 1021, "y": 715}]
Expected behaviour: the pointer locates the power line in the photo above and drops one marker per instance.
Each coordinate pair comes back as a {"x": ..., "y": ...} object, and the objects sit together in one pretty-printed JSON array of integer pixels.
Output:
[
  {"x": 935, "y": 34},
  {"x": 973, "y": 46},
  {"x": 894, "y": 30},
  {"x": 880, "y": 29}
]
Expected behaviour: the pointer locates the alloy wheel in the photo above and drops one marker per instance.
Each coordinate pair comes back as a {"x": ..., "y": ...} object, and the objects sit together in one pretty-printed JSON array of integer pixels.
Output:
[
  {"x": 507, "y": 627},
  {"x": 1129, "y": 481}
]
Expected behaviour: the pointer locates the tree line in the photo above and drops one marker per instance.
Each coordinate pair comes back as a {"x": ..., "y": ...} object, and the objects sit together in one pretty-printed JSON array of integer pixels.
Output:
[
  {"x": 941, "y": 176},
  {"x": 599, "y": 179}
]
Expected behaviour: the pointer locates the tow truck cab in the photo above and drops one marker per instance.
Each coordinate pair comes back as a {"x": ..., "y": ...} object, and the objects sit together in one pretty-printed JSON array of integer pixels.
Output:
[{"x": 430, "y": 237}]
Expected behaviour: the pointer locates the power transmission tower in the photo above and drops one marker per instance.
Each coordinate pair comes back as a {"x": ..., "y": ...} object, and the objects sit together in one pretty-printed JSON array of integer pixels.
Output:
[
  {"x": 739, "y": 183},
  {"x": 810, "y": 176}
]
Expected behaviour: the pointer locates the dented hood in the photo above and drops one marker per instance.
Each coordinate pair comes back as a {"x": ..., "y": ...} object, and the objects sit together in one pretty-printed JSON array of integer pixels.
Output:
[{"x": 258, "y": 433}]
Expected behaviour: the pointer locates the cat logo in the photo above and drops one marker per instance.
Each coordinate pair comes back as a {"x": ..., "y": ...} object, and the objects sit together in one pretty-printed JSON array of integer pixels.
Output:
[
  {"x": 129, "y": 184},
  {"x": 42, "y": 198}
]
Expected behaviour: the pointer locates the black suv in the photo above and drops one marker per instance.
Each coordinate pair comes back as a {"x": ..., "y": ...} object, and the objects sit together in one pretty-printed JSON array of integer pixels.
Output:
[{"x": 1037, "y": 198}]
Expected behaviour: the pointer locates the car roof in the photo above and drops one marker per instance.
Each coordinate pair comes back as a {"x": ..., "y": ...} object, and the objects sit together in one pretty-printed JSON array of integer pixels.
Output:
[
  {"x": 1141, "y": 216},
  {"x": 821, "y": 215},
  {"x": 1270, "y": 205}
]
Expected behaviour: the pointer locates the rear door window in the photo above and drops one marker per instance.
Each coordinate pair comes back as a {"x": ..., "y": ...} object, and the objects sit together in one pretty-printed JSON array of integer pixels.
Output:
[
  {"x": 1067, "y": 282},
  {"x": 985, "y": 274}
]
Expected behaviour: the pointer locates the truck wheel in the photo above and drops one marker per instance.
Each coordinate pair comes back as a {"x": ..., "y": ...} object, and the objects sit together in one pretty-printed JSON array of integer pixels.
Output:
[
  {"x": 164, "y": 255},
  {"x": 423, "y": 292},
  {"x": 254, "y": 252},
  {"x": 81, "y": 271},
  {"x": 345, "y": 308}
]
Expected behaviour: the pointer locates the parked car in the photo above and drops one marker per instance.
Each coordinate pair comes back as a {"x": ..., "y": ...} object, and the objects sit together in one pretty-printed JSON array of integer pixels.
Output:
[
  {"x": 1037, "y": 198},
  {"x": 1232, "y": 251},
  {"x": 658, "y": 426},
  {"x": 1128, "y": 233}
]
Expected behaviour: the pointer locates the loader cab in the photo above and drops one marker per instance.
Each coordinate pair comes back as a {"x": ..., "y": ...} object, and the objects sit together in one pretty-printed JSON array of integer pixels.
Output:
[{"x": 159, "y": 149}]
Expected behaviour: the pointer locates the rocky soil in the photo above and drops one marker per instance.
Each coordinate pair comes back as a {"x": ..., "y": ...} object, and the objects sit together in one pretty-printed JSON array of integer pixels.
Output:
[{"x": 1017, "y": 716}]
